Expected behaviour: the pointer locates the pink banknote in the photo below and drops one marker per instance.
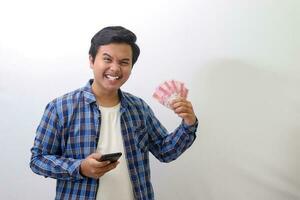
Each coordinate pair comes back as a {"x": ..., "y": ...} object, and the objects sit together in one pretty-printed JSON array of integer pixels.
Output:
[{"x": 170, "y": 90}]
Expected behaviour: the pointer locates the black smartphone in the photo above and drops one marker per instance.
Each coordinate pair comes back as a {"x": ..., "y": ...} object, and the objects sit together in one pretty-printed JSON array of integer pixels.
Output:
[{"x": 112, "y": 157}]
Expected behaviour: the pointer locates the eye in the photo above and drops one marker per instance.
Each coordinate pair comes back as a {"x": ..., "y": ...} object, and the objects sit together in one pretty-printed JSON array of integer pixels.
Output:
[
  {"x": 107, "y": 59},
  {"x": 125, "y": 63}
]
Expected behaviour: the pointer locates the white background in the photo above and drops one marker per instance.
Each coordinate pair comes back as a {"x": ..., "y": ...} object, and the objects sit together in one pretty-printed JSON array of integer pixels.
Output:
[{"x": 239, "y": 59}]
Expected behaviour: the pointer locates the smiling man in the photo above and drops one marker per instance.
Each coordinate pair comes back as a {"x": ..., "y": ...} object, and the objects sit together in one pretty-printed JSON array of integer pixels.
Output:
[{"x": 79, "y": 127}]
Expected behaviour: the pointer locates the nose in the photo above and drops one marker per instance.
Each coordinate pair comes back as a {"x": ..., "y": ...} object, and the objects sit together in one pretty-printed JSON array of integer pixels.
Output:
[{"x": 115, "y": 66}]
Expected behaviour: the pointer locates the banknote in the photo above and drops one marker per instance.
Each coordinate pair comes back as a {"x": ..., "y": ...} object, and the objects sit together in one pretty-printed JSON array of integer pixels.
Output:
[{"x": 169, "y": 90}]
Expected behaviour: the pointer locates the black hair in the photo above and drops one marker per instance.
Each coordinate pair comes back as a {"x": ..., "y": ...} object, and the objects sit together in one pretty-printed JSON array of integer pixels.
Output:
[{"x": 114, "y": 34}]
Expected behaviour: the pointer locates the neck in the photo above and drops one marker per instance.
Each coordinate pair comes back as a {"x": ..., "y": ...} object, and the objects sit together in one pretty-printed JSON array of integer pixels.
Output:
[{"x": 105, "y": 99}]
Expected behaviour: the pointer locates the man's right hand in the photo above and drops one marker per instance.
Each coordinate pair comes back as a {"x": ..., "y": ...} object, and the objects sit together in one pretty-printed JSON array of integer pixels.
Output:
[{"x": 93, "y": 168}]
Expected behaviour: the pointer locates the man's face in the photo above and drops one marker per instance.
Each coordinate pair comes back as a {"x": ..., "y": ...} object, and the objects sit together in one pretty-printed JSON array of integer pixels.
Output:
[{"x": 112, "y": 66}]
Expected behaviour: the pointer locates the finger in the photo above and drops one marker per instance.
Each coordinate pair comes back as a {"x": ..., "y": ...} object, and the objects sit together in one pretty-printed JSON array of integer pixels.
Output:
[
  {"x": 179, "y": 99},
  {"x": 99, "y": 164},
  {"x": 184, "y": 103},
  {"x": 185, "y": 115},
  {"x": 103, "y": 170},
  {"x": 96, "y": 155},
  {"x": 95, "y": 163},
  {"x": 111, "y": 166},
  {"x": 106, "y": 166},
  {"x": 99, "y": 175},
  {"x": 183, "y": 109}
]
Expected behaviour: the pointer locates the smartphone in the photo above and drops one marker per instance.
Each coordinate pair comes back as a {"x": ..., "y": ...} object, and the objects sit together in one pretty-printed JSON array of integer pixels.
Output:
[{"x": 112, "y": 157}]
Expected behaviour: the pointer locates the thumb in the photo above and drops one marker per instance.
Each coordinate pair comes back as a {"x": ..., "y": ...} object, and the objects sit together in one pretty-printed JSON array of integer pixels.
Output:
[{"x": 95, "y": 156}]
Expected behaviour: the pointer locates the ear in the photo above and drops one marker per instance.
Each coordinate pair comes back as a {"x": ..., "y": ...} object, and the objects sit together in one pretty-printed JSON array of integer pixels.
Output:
[{"x": 91, "y": 61}]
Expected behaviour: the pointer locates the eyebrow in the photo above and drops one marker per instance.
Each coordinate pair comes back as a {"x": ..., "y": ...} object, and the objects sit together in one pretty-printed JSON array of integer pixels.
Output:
[
  {"x": 124, "y": 59},
  {"x": 106, "y": 54}
]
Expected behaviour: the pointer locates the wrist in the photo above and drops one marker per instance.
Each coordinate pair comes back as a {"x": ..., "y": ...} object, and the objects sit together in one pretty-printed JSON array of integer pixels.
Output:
[{"x": 190, "y": 121}]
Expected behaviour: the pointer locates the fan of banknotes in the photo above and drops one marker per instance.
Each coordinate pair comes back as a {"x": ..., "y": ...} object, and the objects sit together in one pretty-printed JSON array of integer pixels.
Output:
[{"x": 166, "y": 92}]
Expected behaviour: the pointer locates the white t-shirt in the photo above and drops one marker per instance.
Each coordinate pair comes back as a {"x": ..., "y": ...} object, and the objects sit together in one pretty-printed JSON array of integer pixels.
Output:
[{"x": 115, "y": 184}]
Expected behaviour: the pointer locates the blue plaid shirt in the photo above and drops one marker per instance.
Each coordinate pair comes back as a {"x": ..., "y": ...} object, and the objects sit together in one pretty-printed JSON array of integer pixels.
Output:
[{"x": 69, "y": 132}]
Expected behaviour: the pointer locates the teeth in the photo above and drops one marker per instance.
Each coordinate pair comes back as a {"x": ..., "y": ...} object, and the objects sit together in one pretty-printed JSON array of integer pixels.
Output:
[{"x": 112, "y": 77}]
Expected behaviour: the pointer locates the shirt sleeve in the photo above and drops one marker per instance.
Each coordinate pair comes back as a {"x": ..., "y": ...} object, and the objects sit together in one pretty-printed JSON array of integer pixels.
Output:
[
  {"x": 46, "y": 158},
  {"x": 169, "y": 146}
]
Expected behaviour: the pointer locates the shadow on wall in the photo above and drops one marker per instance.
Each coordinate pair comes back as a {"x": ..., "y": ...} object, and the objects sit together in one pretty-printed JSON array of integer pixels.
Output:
[{"x": 250, "y": 132}]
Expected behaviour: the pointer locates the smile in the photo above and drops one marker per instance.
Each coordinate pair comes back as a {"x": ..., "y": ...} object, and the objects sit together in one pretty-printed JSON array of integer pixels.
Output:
[{"x": 110, "y": 77}]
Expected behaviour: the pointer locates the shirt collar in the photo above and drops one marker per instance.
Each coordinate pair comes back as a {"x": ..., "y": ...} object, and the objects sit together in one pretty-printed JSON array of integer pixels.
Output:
[
  {"x": 88, "y": 93},
  {"x": 90, "y": 97}
]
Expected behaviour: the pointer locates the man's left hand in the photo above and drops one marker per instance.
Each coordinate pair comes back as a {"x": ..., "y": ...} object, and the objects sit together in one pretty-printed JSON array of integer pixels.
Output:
[{"x": 184, "y": 109}]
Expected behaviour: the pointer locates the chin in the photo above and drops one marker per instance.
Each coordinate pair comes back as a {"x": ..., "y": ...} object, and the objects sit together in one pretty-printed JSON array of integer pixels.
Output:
[{"x": 113, "y": 88}]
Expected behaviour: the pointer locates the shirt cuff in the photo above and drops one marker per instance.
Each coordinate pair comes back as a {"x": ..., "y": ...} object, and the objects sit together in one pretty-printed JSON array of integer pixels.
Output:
[
  {"x": 190, "y": 128},
  {"x": 74, "y": 170}
]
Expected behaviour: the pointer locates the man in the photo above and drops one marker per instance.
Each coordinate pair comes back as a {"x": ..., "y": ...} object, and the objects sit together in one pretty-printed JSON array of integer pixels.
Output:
[{"x": 79, "y": 127}]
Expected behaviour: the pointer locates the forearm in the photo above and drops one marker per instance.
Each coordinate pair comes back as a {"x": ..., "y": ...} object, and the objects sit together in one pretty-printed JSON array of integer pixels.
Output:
[
  {"x": 173, "y": 145},
  {"x": 46, "y": 159},
  {"x": 56, "y": 167}
]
